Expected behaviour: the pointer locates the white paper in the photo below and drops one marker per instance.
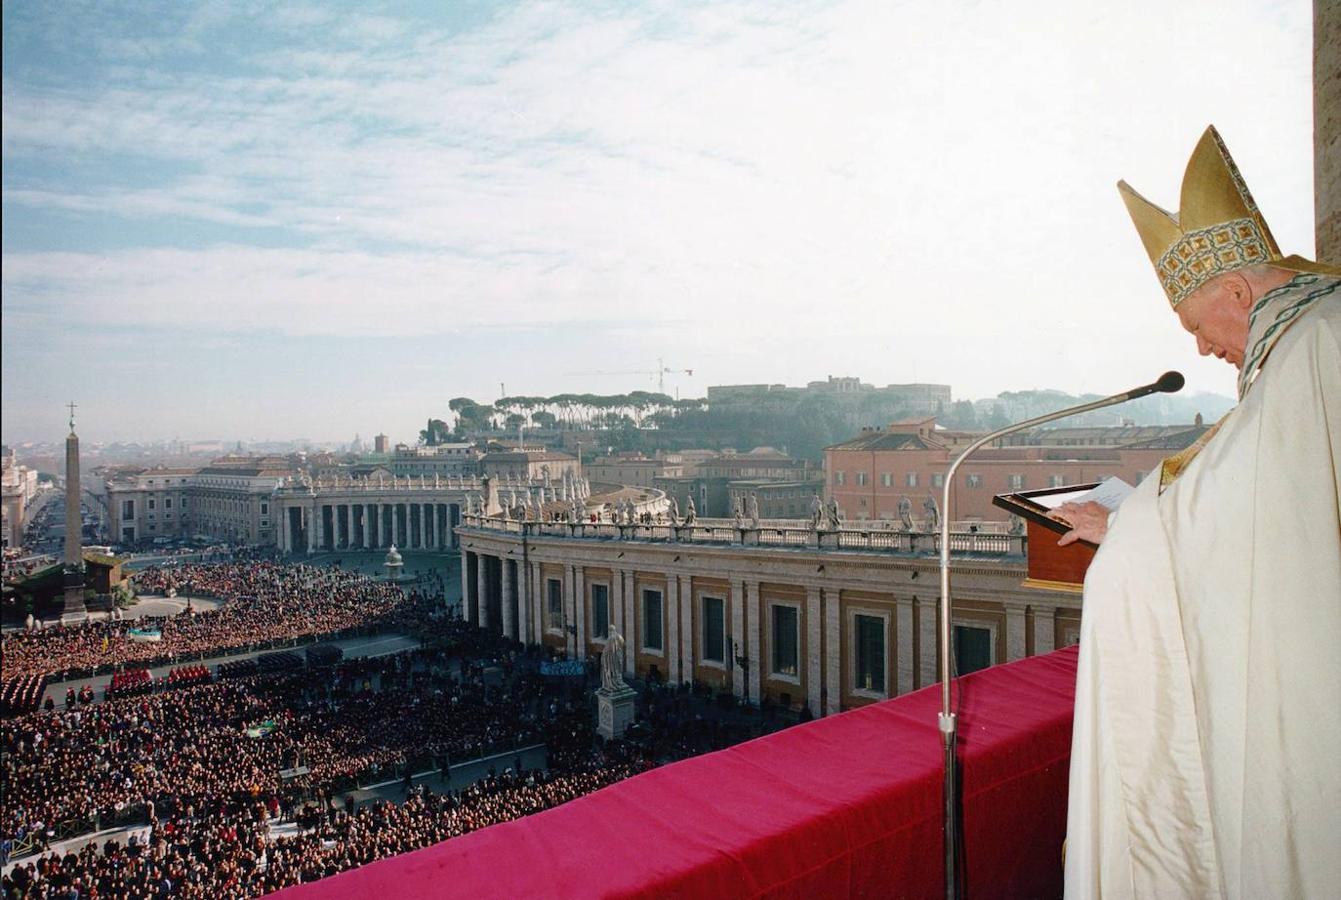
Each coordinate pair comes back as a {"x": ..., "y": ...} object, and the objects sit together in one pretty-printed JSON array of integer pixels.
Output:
[{"x": 1109, "y": 492}]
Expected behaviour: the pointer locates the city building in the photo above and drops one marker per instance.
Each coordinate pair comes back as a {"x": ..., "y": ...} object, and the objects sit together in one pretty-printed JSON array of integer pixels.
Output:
[
  {"x": 529, "y": 463},
  {"x": 710, "y": 485},
  {"x": 777, "y": 499},
  {"x": 229, "y": 499},
  {"x": 18, "y": 487},
  {"x": 439, "y": 459},
  {"x": 792, "y": 624},
  {"x": 869, "y": 474},
  {"x": 843, "y": 391},
  {"x": 632, "y": 469},
  {"x": 381, "y": 444}
]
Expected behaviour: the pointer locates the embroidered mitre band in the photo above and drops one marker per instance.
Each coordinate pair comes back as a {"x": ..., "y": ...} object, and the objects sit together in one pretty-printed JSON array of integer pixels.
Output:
[{"x": 1218, "y": 227}]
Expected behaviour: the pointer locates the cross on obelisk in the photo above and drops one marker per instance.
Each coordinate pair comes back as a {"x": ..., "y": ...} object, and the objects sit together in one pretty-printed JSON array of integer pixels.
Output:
[{"x": 71, "y": 404}]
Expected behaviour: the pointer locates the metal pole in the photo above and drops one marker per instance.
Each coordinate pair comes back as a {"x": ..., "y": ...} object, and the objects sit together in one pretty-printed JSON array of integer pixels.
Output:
[{"x": 946, "y": 721}]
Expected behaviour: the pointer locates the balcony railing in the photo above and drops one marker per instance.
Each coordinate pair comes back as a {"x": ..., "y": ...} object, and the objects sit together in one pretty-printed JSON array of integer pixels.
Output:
[{"x": 770, "y": 533}]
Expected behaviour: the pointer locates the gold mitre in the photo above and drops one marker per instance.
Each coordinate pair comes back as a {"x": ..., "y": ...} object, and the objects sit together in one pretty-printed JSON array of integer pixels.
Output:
[{"x": 1217, "y": 229}]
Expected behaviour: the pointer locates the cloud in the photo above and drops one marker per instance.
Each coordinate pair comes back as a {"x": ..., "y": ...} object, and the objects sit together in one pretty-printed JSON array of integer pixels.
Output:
[{"x": 817, "y": 178}]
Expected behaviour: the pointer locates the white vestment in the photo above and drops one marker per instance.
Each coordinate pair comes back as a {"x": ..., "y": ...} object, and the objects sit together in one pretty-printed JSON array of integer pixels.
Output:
[{"x": 1208, "y": 698}]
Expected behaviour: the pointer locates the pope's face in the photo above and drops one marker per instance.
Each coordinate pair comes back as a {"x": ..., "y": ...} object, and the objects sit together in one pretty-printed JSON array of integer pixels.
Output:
[{"x": 1218, "y": 319}]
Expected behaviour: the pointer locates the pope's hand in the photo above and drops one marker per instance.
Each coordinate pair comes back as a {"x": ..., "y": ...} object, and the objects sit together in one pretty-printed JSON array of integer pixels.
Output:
[{"x": 1088, "y": 521}]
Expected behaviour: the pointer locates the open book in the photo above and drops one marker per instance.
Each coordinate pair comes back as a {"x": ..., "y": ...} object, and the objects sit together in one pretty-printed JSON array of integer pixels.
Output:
[
  {"x": 1110, "y": 492},
  {"x": 1034, "y": 506}
]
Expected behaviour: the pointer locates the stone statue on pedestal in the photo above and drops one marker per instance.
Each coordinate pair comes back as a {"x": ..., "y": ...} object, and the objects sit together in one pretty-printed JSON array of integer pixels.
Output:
[
  {"x": 816, "y": 512},
  {"x": 906, "y": 513},
  {"x": 690, "y": 514},
  {"x": 752, "y": 510},
  {"x": 673, "y": 512},
  {"x": 834, "y": 516},
  {"x": 612, "y": 663},
  {"x": 932, "y": 513}
]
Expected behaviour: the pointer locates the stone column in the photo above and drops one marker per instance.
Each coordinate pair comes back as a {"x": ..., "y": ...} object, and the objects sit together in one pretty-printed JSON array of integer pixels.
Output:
[
  {"x": 737, "y": 636},
  {"x": 617, "y": 606},
  {"x": 1015, "y": 638},
  {"x": 672, "y": 636},
  {"x": 508, "y": 603},
  {"x": 310, "y": 511},
  {"x": 523, "y": 588},
  {"x": 367, "y": 526},
  {"x": 1045, "y": 625},
  {"x": 814, "y": 630},
  {"x": 580, "y": 611},
  {"x": 568, "y": 614},
  {"x": 632, "y": 640},
  {"x": 753, "y": 615},
  {"x": 482, "y": 583},
  {"x": 903, "y": 627},
  {"x": 465, "y": 583},
  {"x": 536, "y": 601},
  {"x": 833, "y": 653},
  {"x": 926, "y": 640},
  {"x": 687, "y": 627}
]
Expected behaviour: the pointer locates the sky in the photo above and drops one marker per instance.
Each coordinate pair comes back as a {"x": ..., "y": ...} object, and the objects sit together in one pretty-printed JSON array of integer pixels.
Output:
[{"x": 260, "y": 220}]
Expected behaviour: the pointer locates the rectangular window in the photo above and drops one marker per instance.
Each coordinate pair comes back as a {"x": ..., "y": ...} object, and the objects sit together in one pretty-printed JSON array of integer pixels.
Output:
[
  {"x": 887, "y": 479},
  {"x": 151, "y": 502},
  {"x": 183, "y": 503},
  {"x": 714, "y": 629},
  {"x": 127, "y": 509},
  {"x": 554, "y": 596},
  {"x": 870, "y": 642},
  {"x": 911, "y": 480},
  {"x": 600, "y": 611},
  {"x": 265, "y": 509},
  {"x": 973, "y": 480},
  {"x": 861, "y": 479},
  {"x": 1056, "y": 480},
  {"x": 651, "y": 620},
  {"x": 1017, "y": 482},
  {"x": 786, "y": 641},
  {"x": 938, "y": 479},
  {"x": 973, "y": 649},
  {"x": 167, "y": 503}
]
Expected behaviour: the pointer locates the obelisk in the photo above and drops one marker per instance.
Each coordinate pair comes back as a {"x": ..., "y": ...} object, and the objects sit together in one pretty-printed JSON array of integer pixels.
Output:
[{"x": 74, "y": 544}]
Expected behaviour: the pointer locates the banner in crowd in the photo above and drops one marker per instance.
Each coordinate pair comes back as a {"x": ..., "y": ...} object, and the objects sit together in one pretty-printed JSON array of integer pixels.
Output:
[
  {"x": 259, "y": 731},
  {"x": 144, "y": 634},
  {"x": 564, "y": 668}
]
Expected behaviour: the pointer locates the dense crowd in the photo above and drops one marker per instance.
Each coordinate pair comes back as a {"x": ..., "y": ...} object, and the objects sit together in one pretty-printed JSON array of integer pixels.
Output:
[
  {"x": 262, "y": 602},
  {"x": 226, "y": 851},
  {"x": 193, "y": 744},
  {"x": 215, "y": 768}
]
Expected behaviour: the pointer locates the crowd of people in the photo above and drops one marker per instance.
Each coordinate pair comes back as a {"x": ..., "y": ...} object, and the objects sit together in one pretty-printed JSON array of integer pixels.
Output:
[
  {"x": 215, "y": 768},
  {"x": 356, "y": 723},
  {"x": 263, "y": 602}
]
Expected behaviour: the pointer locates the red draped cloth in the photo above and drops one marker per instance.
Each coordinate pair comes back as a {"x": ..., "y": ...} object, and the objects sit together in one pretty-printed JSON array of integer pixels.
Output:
[{"x": 846, "y": 806}]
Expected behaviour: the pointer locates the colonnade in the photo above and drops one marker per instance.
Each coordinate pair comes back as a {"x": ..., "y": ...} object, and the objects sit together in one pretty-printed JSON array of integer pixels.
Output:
[
  {"x": 753, "y": 626},
  {"x": 318, "y": 525}
]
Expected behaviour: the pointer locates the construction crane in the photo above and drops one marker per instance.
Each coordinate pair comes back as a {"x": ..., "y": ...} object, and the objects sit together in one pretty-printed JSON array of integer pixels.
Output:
[{"x": 661, "y": 371}]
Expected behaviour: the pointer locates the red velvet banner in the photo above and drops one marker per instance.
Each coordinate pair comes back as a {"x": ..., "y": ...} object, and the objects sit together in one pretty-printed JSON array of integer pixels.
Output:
[{"x": 846, "y": 806}]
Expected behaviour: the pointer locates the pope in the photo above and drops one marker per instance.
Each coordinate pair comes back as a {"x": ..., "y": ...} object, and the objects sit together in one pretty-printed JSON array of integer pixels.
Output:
[{"x": 1208, "y": 695}]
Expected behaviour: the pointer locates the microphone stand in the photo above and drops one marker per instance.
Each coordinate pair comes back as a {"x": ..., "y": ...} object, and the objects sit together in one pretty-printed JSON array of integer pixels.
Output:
[{"x": 1169, "y": 382}]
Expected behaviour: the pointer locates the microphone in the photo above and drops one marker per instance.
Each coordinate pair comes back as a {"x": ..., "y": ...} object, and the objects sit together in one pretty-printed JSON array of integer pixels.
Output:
[{"x": 1167, "y": 383}]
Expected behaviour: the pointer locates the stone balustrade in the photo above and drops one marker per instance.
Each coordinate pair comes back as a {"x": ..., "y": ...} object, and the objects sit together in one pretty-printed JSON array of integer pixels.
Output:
[{"x": 770, "y": 533}]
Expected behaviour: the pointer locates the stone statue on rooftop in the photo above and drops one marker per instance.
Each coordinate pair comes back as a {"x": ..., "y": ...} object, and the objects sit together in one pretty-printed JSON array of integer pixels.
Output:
[
  {"x": 690, "y": 513},
  {"x": 906, "y": 513},
  {"x": 834, "y": 515},
  {"x": 752, "y": 509},
  {"x": 932, "y": 512},
  {"x": 673, "y": 511}
]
